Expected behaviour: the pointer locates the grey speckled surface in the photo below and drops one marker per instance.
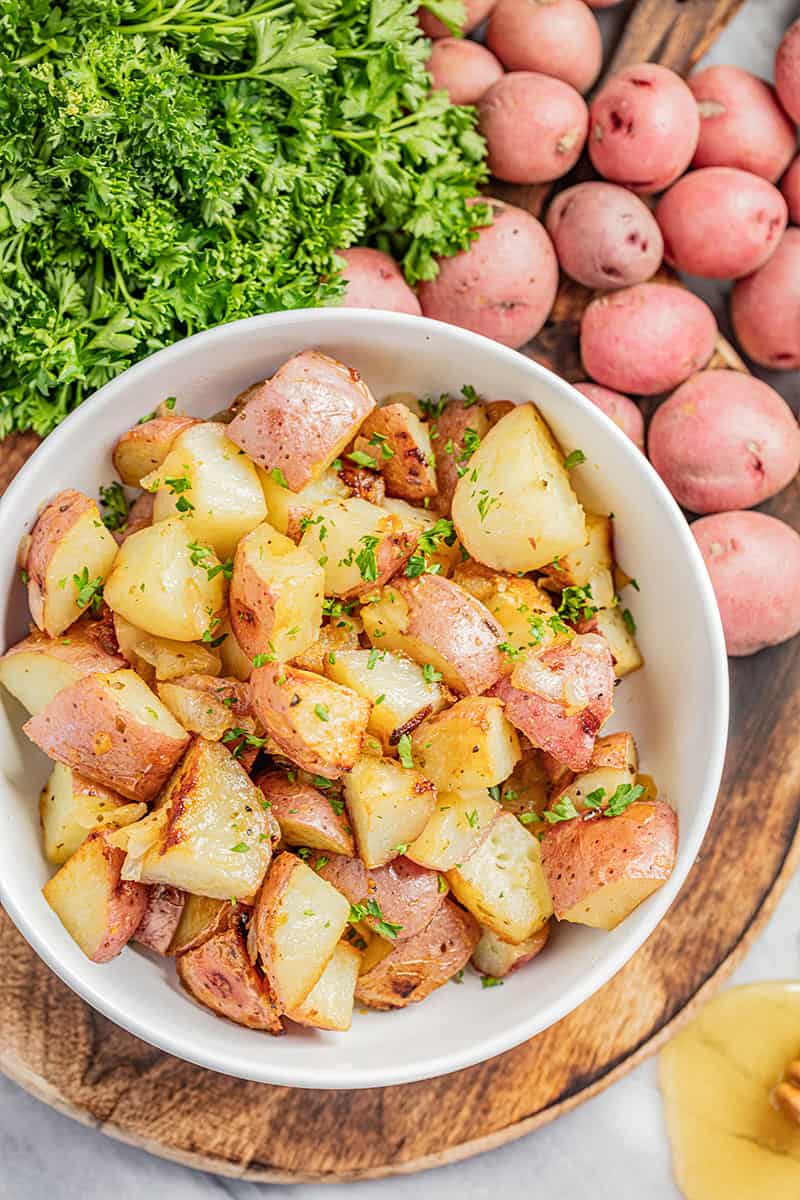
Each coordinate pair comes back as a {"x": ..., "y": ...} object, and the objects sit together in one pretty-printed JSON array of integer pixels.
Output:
[{"x": 613, "y": 1148}]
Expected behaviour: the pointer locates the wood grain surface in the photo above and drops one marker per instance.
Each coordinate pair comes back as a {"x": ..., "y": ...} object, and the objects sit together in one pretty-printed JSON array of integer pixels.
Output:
[{"x": 61, "y": 1051}]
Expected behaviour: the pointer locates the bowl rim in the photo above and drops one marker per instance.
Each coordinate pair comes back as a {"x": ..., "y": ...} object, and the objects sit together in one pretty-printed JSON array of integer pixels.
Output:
[{"x": 609, "y": 962}]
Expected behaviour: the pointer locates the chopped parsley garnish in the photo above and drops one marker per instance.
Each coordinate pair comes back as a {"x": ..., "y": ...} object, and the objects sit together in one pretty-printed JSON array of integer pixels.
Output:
[
  {"x": 371, "y": 908},
  {"x": 380, "y": 439},
  {"x": 489, "y": 981},
  {"x": 89, "y": 592},
  {"x": 115, "y": 504},
  {"x": 630, "y": 624},
  {"x": 494, "y": 792},
  {"x": 178, "y": 486},
  {"x": 458, "y": 977},
  {"x": 322, "y": 712},
  {"x": 430, "y": 674},
  {"x": 321, "y": 782},
  {"x": 365, "y": 559},
  {"x": 470, "y": 395},
  {"x": 562, "y": 810},
  {"x": 261, "y": 660},
  {"x": 485, "y": 503},
  {"x": 575, "y": 604},
  {"x": 623, "y": 797},
  {"x": 432, "y": 409},
  {"x": 244, "y": 738},
  {"x": 473, "y": 819},
  {"x": 362, "y": 459},
  {"x": 404, "y": 751},
  {"x": 277, "y": 474},
  {"x": 337, "y": 804},
  {"x": 240, "y": 848},
  {"x": 574, "y": 460}
]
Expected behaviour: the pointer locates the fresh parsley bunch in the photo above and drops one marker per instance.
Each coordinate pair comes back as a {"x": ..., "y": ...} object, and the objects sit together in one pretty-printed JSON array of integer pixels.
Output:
[{"x": 166, "y": 165}]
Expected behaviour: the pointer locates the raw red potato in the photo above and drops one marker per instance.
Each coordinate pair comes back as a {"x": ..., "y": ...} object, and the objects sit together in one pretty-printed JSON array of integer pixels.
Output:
[
  {"x": 644, "y": 127},
  {"x": 463, "y": 69},
  {"x": 724, "y": 440},
  {"x": 621, "y": 409},
  {"x": 535, "y": 127},
  {"x": 765, "y": 308},
  {"x": 754, "y": 564},
  {"x": 374, "y": 280},
  {"x": 787, "y": 72},
  {"x": 476, "y": 11},
  {"x": 560, "y": 697},
  {"x": 604, "y": 236},
  {"x": 741, "y": 123},
  {"x": 560, "y": 38},
  {"x": 720, "y": 222},
  {"x": 406, "y": 895},
  {"x": 646, "y": 339},
  {"x": 790, "y": 186},
  {"x": 503, "y": 286}
]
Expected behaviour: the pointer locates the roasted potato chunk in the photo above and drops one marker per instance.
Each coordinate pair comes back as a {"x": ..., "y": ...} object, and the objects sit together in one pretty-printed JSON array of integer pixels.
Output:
[
  {"x": 389, "y": 806},
  {"x": 401, "y": 446},
  {"x": 114, "y": 730},
  {"x": 611, "y": 624},
  {"x": 455, "y": 436},
  {"x": 614, "y": 763},
  {"x": 359, "y": 545},
  {"x": 69, "y": 556},
  {"x": 161, "y": 918},
  {"x": 289, "y": 512},
  {"x": 335, "y": 637},
  {"x": 70, "y": 806},
  {"x": 396, "y": 686},
  {"x": 588, "y": 566},
  {"x": 276, "y": 595},
  {"x": 307, "y": 815},
  {"x": 458, "y": 822},
  {"x": 220, "y": 976},
  {"x": 438, "y": 544},
  {"x": 518, "y": 605},
  {"x": 468, "y": 746},
  {"x": 494, "y": 957},
  {"x": 144, "y": 448},
  {"x": 38, "y": 667},
  {"x": 515, "y": 509},
  {"x": 502, "y": 882},
  {"x": 201, "y": 917},
  {"x": 329, "y": 1004},
  {"x": 400, "y": 898},
  {"x": 436, "y": 622},
  {"x": 210, "y": 706},
  {"x": 168, "y": 659},
  {"x": 98, "y": 909}
]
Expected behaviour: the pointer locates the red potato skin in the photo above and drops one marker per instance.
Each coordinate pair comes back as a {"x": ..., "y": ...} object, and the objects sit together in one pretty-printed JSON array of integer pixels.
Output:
[
  {"x": 581, "y": 856},
  {"x": 80, "y": 729},
  {"x": 621, "y": 409},
  {"x": 476, "y": 11},
  {"x": 548, "y": 721},
  {"x": 161, "y": 917},
  {"x": 646, "y": 339},
  {"x": 503, "y": 286},
  {"x": 293, "y": 420},
  {"x": 604, "y": 236},
  {"x": 724, "y": 440},
  {"x": 158, "y": 432},
  {"x": 787, "y": 72},
  {"x": 53, "y": 522},
  {"x": 90, "y": 645},
  {"x": 140, "y": 515},
  {"x": 765, "y": 308},
  {"x": 219, "y": 974},
  {"x": 408, "y": 895},
  {"x": 790, "y": 189},
  {"x": 691, "y": 214},
  {"x": 754, "y": 564},
  {"x": 741, "y": 123},
  {"x": 456, "y": 418},
  {"x": 561, "y": 38},
  {"x": 295, "y": 798},
  {"x": 127, "y": 900},
  {"x": 374, "y": 280},
  {"x": 535, "y": 127},
  {"x": 463, "y": 69},
  {"x": 644, "y": 127}
]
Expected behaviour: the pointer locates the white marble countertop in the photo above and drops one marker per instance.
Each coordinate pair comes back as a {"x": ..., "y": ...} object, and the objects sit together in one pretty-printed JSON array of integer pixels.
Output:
[{"x": 612, "y": 1148}]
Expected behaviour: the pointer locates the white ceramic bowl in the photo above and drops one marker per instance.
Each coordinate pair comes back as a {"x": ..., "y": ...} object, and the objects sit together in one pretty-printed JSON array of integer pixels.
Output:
[{"x": 676, "y": 706}]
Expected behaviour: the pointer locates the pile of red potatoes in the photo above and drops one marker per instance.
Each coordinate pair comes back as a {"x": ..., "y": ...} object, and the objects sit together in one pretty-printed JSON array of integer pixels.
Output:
[{"x": 701, "y": 175}]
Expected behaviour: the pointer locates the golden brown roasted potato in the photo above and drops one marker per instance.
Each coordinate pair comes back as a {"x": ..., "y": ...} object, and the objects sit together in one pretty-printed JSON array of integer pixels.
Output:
[
  {"x": 211, "y": 706},
  {"x": 468, "y": 746},
  {"x": 434, "y": 531},
  {"x": 114, "y": 730},
  {"x": 161, "y": 918},
  {"x": 389, "y": 806},
  {"x": 502, "y": 882},
  {"x": 296, "y": 926},
  {"x": 515, "y": 509},
  {"x": 307, "y": 815},
  {"x": 276, "y": 595},
  {"x": 220, "y": 976},
  {"x": 329, "y": 1004},
  {"x": 38, "y": 667},
  {"x": 600, "y": 869},
  {"x": 362, "y": 481},
  {"x": 458, "y": 823},
  {"x": 494, "y": 957},
  {"x": 316, "y": 723},
  {"x": 69, "y": 556},
  {"x": 401, "y": 447},
  {"x": 455, "y": 436},
  {"x": 401, "y": 692},
  {"x": 518, "y": 605},
  {"x": 98, "y": 909},
  {"x": 69, "y": 806},
  {"x": 335, "y": 637},
  {"x": 359, "y": 545},
  {"x": 418, "y": 965},
  {"x": 288, "y": 511},
  {"x": 399, "y": 899},
  {"x": 296, "y": 423},
  {"x": 525, "y": 792},
  {"x": 436, "y": 622},
  {"x": 614, "y": 763},
  {"x": 201, "y": 917},
  {"x": 167, "y": 659},
  {"x": 144, "y": 448},
  {"x": 587, "y": 566},
  {"x": 619, "y": 632}
]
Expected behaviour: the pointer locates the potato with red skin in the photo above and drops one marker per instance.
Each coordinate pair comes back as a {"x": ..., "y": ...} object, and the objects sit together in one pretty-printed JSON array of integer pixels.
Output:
[
  {"x": 375, "y": 280},
  {"x": 143, "y": 449},
  {"x": 306, "y": 815},
  {"x": 790, "y": 189},
  {"x": 724, "y": 440},
  {"x": 497, "y": 958},
  {"x": 416, "y": 966},
  {"x": 601, "y": 868},
  {"x": 691, "y": 214},
  {"x": 644, "y": 127},
  {"x": 765, "y": 308},
  {"x": 741, "y": 123},
  {"x": 646, "y": 339},
  {"x": 604, "y": 236},
  {"x": 503, "y": 286},
  {"x": 458, "y": 425},
  {"x": 219, "y": 975},
  {"x": 302, "y": 418},
  {"x": 161, "y": 917},
  {"x": 560, "y": 697},
  {"x": 37, "y": 668},
  {"x": 407, "y": 895},
  {"x": 140, "y": 515},
  {"x": 463, "y": 69},
  {"x": 623, "y": 411},
  {"x": 560, "y": 38},
  {"x": 475, "y": 11},
  {"x": 787, "y": 72},
  {"x": 535, "y": 127},
  {"x": 400, "y": 443},
  {"x": 754, "y": 564}
]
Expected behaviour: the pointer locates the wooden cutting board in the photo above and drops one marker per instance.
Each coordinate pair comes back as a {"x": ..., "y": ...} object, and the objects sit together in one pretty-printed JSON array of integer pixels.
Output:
[{"x": 64, "y": 1053}]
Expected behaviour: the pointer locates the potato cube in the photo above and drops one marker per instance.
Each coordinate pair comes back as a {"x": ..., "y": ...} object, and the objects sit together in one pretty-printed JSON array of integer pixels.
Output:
[
  {"x": 161, "y": 918},
  {"x": 614, "y": 764},
  {"x": 400, "y": 694},
  {"x": 610, "y": 623},
  {"x": 401, "y": 446},
  {"x": 338, "y": 635},
  {"x": 142, "y": 449},
  {"x": 38, "y": 667},
  {"x": 359, "y": 545},
  {"x": 69, "y": 806},
  {"x": 276, "y": 595},
  {"x": 220, "y": 976},
  {"x": 202, "y": 917},
  {"x": 289, "y": 512},
  {"x": 494, "y": 957},
  {"x": 400, "y": 898},
  {"x": 307, "y": 815},
  {"x": 329, "y": 1004},
  {"x": 455, "y": 436},
  {"x": 588, "y": 566},
  {"x": 389, "y": 806},
  {"x": 209, "y": 705},
  {"x": 458, "y": 822},
  {"x": 502, "y": 882},
  {"x": 468, "y": 746},
  {"x": 168, "y": 659},
  {"x": 518, "y": 605}
]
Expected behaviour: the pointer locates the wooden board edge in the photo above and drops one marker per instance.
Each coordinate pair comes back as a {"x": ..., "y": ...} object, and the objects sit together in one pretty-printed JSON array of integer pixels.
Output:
[{"x": 12, "y": 1068}]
